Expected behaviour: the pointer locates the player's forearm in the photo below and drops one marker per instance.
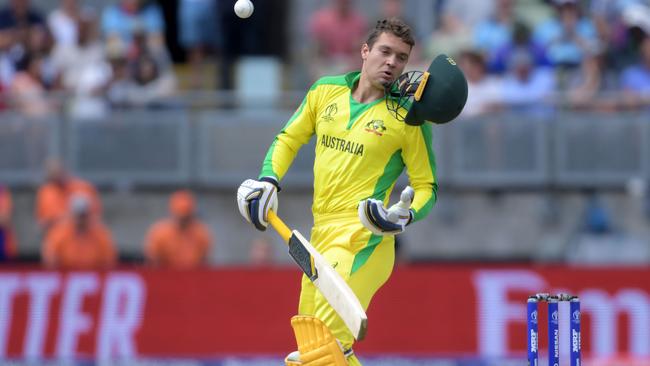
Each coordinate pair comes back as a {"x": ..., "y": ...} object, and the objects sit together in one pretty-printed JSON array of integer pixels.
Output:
[
  {"x": 280, "y": 156},
  {"x": 426, "y": 195}
]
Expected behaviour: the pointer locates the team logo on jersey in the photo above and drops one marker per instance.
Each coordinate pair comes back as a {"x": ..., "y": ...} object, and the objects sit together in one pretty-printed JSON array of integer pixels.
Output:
[
  {"x": 376, "y": 126},
  {"x": 330, "y": 111}
]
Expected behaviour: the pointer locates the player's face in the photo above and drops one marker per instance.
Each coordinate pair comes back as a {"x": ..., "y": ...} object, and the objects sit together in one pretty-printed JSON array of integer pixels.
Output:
[{"x": 386, "y": 60}]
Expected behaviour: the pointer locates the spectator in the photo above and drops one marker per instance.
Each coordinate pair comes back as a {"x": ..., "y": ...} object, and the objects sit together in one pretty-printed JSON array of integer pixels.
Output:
[
  {"x": 495, "y": 32},
  {"x": 392, "y": 9},
  {"x": 608, "y": 21},
  {"x": 636, "y": 21},
  {"x": 197, "y": 21},
  {"x": 53, "y": 197},
  {"x": 526, "y": 87},
  {"x": 80, "y": 240},
  {"x": 180, "y": 241},
  {"x": 466, "y": 14},
  {"x": 566, "y": 36},
  {"x": 8, "y": 247},
  {"x": 19, "y": 14},
  {"x": 21, "y": 18},
  {"x": 484, "y": 91},
  {"x": 521, "y": 39},
  {"x": 8, "y": 57},
  {"x": 145, "y": 80},
  {"x": 84, "y": 70},
  {"x": 592, "y": 86},
  {"x": 121, "y": 81},
  {"x": 337, "y": 31},
  {"x": 395, "y": 9},
  {"x": 153, "y": 85},
  {"x": 450, "y": 38},
  {"x": 123, "y": 20},
  {"x": 27, "y": 91},
  {"x": 635, "y": 79},
  {"x": 63, "y": 23},
  {"x": 40, "y": 44}
]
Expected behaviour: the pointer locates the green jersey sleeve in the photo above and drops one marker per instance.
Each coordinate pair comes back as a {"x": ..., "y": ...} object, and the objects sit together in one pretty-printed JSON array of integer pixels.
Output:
[
  {"x": 288, "y": 142},
  {"x": 421, "y": 168}
]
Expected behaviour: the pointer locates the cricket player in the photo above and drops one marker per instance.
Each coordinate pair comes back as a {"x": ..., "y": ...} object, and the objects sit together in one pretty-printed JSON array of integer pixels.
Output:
[{"x": 361, "y": 149}]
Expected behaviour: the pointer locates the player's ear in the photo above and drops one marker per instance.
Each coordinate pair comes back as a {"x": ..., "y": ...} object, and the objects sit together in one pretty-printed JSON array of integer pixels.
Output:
[{"x": 364, "y": 51}]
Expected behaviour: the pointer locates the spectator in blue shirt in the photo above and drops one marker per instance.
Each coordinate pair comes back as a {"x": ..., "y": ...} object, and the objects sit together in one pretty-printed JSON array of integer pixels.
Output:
[
  {"x": 127, "y": 17},
  {"x": 198, "y": 35},
  {"x": 521, "y": 39},
  {"x": 635, "y": 79},
  {"x": 566, "y": 36},
  {"x": 525, "y": 87},
  {"x": 495, "y": 32}
]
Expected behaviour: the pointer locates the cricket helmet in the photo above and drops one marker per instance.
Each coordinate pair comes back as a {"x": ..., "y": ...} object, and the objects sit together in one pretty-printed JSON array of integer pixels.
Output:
[{"x": 437, "y": 95}]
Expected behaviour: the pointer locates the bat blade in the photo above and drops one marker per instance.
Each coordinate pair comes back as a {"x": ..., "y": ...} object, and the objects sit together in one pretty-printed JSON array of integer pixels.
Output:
[
  {"x": 335, "y": 290},
  {"x": 333, "y": 287}
]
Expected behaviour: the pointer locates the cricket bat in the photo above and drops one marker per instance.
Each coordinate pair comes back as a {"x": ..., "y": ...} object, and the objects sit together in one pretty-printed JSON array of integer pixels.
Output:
[{"x": 325, "y": 278}]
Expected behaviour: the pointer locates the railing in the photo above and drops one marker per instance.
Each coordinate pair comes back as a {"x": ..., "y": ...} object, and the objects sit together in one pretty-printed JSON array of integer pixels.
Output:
[{"x": 220, "y": 147}]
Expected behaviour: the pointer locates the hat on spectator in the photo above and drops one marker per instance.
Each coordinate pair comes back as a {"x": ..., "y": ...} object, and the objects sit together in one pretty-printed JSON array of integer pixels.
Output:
[
  {"x": 182, "y": 203},
  {"x": 79, "y": 204},
  {"x": 637, "y": 15}
]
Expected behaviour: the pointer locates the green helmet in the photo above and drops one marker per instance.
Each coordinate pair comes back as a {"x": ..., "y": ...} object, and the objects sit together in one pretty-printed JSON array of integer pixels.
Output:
[{"x": 437, "y": 95}]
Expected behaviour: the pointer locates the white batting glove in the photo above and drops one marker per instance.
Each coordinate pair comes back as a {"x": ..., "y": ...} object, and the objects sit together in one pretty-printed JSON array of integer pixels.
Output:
[
  {"x": 381, "y": 221},
  {"x": 255, "y": 198}
]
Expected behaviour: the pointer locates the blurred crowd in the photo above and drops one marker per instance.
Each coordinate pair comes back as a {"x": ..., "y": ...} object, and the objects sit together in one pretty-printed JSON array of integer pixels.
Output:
[
  {"x": 115, "y": 56},
  {"x": 586, "y": 54},
  {"x": 522, "y": 55}
]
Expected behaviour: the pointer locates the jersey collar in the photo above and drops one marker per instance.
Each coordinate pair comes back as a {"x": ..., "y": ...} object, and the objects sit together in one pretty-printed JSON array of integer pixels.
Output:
[{"x": 352, "y": 78}]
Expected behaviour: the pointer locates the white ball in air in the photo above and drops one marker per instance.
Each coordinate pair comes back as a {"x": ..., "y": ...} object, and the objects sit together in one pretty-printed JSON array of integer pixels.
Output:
[{"x": 244, "y": 8}]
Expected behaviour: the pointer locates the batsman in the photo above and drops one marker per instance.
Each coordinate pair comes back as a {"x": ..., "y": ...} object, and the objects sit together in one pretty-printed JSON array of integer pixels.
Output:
[{"x": 369, "y": 126}]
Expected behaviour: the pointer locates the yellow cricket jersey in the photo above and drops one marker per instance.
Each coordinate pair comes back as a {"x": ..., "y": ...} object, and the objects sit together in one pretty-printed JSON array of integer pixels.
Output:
[{"x": 361, "y": 149}]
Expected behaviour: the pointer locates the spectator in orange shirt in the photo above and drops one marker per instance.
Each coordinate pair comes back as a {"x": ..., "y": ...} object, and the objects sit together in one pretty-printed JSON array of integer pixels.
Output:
[
  {"x": 181, "y": 240},
  {"x": 80, "y": 240},
  {"x": 7, "y": 239},
  {"x": 53, "y": 197}
]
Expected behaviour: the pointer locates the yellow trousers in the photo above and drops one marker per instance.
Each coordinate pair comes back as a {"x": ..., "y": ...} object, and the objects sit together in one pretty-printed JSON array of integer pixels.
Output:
[{"x": 365, "y": 261}]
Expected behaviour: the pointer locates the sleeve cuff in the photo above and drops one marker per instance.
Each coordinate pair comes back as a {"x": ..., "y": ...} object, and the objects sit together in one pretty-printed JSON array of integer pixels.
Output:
[{"x": 271, "y": 180}]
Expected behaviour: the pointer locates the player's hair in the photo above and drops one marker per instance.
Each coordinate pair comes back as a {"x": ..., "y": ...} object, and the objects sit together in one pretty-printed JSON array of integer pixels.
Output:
[{"x": 394, "y": 26}]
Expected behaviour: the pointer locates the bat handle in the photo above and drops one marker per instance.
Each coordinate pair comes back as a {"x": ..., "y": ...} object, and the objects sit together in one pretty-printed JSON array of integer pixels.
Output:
[{"x": 279, "y": 225}]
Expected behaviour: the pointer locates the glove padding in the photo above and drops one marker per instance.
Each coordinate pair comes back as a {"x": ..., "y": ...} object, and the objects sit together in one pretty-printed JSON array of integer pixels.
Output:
[
  {"x": 255, "y": 199},
  {"x": 381, "y": 221}
]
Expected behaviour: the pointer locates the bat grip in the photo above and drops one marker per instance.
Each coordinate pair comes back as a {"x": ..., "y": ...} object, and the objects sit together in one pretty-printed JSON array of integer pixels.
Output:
[{"x": 279, "y": 226}]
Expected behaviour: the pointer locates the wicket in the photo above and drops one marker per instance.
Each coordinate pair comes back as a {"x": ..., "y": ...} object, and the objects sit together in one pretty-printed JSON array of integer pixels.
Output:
[{"x": 553, "y": 328}]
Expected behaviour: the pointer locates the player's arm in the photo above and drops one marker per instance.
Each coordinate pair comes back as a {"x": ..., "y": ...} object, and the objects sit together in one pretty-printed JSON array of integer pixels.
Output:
[
  {"x": 256, "y": 197},
  {"x": 286, "y": 144},
  {"x": 416, "y": 201},
  {"x": 420, "y": 161}
]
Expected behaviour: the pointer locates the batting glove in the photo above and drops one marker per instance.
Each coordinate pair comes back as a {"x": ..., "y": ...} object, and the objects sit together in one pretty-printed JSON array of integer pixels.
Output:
[
  {"x": 381, "y": 221},
  {"x": 255, "y": 198}
]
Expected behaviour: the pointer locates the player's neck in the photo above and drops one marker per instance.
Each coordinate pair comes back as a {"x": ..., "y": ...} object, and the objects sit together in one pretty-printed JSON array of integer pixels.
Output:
[{"x": 365, "y": 92}]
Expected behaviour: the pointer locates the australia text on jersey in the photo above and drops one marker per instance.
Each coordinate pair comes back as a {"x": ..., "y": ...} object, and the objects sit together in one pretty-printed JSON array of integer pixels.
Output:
[{"x": 340, "y": 144}]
